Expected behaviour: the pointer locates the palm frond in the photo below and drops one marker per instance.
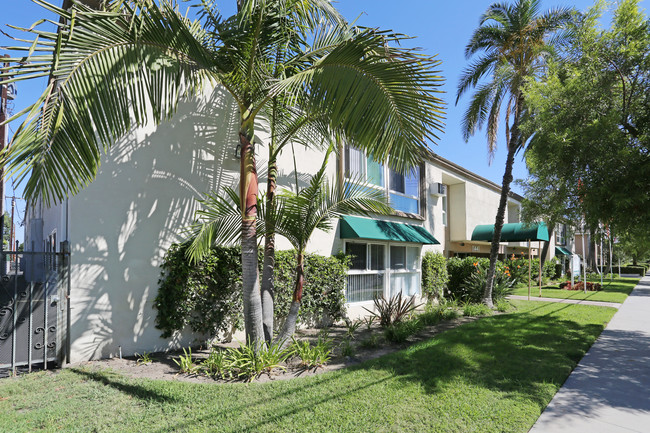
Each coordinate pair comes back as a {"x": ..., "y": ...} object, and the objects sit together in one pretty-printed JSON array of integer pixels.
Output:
[
  {"x": 316, "y": 206},
  {"x": 218, "y": 222},
  {"x": 385, "y": 99},
  {"x": 109, "y": 71}
]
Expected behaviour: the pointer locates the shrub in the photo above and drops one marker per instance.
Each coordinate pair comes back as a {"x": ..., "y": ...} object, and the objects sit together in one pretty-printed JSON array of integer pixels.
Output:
[
  {"x": 476, "y": 310},
  {"x": 447, "y": 310},
  {"x": 312, "y": 356},
  {"x": 518, "y": 266},
  {"x": 207, "y": 296},
  {"x": 185, "y": 362},
  {"x": 399, "y": 332},
  {"x": 393, "y": 310},
  {"x": 639, "y": 270},
  {"x": 371, "y": 342},
  {"x": 503, "y": 305},
  {"x": 473, "y": 287},
  {"x": 323, "y": 298},
  {"x": 216, "y": 364},
  {"x": 459, "y": 270},
  {"x": 591, "y": 287},
  {"x": 434, "y": 275},
  {"x": 243, "y": 362}
]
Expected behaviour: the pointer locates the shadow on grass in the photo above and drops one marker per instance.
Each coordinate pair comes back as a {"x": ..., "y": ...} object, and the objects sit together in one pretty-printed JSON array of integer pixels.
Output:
[
  {"x": 516, "y": 356},
  {"x": 512, "y": 354},
  {"x": 120, "y": 383}
]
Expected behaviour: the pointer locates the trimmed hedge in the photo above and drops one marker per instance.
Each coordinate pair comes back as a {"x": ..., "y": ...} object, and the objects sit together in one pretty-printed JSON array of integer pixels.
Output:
[
  {"x": 434, "y": 275},
  {"x": 639, "y": 270},
  {"x": 207, "y": 296}
]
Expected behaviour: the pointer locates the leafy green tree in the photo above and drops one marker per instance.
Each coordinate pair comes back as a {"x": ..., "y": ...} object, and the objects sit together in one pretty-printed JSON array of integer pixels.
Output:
[
  {"x": 548, "y": 195},
  {"x": 131, "y": 63},
  {"x": 590, "y": 116},
  {"x": 634, "y": 245},
  {"x": 510, "y": 45}
]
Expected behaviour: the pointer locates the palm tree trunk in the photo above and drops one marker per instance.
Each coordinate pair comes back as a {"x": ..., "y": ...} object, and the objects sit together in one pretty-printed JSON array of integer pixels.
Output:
[
  {"x": 250, "y": 272},
  {"x": 268, "y": 295},
  {"x": 513, "y": 146},
  {"x": 289, "y": 326}
]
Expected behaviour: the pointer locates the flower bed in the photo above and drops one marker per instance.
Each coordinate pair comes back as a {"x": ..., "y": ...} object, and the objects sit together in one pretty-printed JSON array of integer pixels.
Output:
[{"x": 591, "y": 287}]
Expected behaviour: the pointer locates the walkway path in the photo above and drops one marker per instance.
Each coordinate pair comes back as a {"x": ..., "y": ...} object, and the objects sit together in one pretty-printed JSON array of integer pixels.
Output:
[
  {"x": 567, "y": 301},
  {"x": 609, "y": 391}
]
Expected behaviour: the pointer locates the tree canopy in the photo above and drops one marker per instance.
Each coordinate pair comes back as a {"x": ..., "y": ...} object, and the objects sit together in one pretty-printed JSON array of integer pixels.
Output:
[{"x": 590, "y": 119}]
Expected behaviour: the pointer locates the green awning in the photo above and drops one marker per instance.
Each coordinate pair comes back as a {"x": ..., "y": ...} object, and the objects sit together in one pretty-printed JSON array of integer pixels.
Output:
[
  {"x": 364, "y": 228},
  {"x": 512, "y": 232},
  {"x": 561, "y": 251}
]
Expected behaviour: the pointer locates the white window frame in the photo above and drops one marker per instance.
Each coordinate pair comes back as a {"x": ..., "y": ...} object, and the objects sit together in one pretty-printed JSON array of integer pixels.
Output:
[
  {"x": 445, "y": 206},
  {"x": 386, "y": 177},
  {"x": 387, "y": 272},
  {"x": 560, "y": 235}
]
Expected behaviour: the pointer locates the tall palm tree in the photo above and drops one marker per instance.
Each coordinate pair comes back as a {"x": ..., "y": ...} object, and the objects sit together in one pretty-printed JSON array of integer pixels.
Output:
[
  {"x": 511, "y": 44},
  {"x": 131, "y": 63}
]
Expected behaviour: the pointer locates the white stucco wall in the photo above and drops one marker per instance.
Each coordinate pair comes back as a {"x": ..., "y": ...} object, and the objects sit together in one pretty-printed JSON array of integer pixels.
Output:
[{"x": 144, "y": 194}]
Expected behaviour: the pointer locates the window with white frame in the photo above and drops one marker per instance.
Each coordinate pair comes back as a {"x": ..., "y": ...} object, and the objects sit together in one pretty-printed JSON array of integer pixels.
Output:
[
  {"x": 403, "y": 190},
  {"x": 369, "y": 276},
  {"x": 560, "y": 234},
  {"x": 444, "y": 209}
]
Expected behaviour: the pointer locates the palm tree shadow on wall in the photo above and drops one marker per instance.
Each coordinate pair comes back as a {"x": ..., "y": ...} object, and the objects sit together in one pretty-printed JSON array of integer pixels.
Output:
[{"x": 123, "y": 223}]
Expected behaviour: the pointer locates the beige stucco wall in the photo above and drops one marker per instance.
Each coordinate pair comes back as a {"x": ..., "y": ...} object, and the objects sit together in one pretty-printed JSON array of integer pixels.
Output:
[{"x": 144, "y": 194}]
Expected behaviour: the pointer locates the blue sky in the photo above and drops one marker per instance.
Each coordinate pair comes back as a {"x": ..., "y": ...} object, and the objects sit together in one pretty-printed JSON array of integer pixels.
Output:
[{"x": 440, "y": 28}]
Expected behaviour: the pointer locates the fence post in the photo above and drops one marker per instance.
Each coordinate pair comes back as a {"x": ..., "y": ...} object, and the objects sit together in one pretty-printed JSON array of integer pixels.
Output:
[{"x": 65, "y": 265}]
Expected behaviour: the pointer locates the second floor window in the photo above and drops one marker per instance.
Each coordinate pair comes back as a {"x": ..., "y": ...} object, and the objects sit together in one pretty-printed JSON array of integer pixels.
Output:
[
  {"x": 560, "y": 234},
  {"x": 403, "y": 190}
]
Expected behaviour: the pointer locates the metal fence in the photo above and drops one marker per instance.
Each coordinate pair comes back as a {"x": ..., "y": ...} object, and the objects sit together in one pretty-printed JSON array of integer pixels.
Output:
[{"x": 34, "y": 325}]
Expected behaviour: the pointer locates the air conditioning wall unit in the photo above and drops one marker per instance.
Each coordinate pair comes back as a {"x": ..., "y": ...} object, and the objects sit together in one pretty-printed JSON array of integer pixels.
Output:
[{"x": 437, "y": 189}]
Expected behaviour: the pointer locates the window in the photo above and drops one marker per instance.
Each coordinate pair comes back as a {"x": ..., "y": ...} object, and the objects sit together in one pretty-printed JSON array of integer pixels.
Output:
[
  {"x": 403, "y": 191},
  {"x": 368, "y": 276},
  {"x": 560, "y": 234},
  {"x": 444, "y": 210}
]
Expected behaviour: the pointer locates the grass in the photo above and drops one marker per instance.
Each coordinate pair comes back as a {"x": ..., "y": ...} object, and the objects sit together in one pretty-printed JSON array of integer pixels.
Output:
[
  {"x": 493, "y": 375},
  {"x": 615, "y": 291}
]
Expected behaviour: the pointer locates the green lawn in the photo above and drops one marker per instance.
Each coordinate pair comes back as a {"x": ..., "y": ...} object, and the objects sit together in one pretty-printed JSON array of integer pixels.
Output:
[
  {"x": 615, "y": 291},
  {"x": 493, "y": 375}
]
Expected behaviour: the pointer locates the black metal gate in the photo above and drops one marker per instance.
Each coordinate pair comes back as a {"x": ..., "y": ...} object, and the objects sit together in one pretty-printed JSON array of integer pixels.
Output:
[{"x": 33, "y": 314}]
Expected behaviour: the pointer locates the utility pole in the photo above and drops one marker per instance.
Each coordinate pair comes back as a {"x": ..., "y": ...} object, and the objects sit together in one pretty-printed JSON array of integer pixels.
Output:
[{"x": 3, "y": 139}]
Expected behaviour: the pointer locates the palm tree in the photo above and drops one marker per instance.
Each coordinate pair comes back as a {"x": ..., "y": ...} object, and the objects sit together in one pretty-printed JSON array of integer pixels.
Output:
[
  {"x": 295, "y": 215},
  {"x": 131, "y": 63},
  {"x": 511, "y": 43}
]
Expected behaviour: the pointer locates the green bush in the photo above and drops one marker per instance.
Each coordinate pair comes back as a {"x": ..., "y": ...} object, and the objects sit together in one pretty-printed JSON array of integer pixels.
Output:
[
  {"x": 323, "y": 298},
  {"x": 434, "y": 275},
  {"x": 476, "y": 310},
  {"x": 639, "y": 270},
  {"x": 459, "y": 270},
  {"x": 401, "y": 331},
  {"x": 207, "y": 296},
  {"x": 473, "y": 288}
]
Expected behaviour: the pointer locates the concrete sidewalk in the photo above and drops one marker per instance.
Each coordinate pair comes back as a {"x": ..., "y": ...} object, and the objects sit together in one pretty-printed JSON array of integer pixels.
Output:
[{"x": 609, "y": 391}]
